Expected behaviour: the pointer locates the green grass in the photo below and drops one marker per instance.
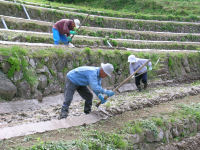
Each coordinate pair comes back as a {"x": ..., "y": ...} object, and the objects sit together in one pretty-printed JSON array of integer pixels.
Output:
[{"x": 180, "y": 10}]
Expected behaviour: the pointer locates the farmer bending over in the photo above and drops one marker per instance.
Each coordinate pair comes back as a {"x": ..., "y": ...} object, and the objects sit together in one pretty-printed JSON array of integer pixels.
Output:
[
  {"x": 136, "y": 63},
  {"x": 81, "y": 77},
  {"x": 62, "y": 30}
]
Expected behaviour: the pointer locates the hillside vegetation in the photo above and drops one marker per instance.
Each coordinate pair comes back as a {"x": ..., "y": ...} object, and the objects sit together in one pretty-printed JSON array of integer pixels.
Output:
[
  {"x": 175, "y": 7},
  {"x": 180, "y": 10}
]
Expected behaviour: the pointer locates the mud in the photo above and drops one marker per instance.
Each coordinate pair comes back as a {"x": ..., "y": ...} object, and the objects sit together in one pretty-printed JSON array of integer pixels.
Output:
[
  {"x": 108, "y": 125},
  {"x": 17, "y": 113}
]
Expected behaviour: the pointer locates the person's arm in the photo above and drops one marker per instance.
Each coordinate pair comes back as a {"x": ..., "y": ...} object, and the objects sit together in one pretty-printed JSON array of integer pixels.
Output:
[
  {"x": 131, "y": 68},
  {"x": 95, "y": 85},
  {"x": 150, "y": 64}
]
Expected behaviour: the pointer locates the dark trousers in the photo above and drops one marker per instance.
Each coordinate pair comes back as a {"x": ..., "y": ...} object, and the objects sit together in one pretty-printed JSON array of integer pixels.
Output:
[
  {"x": 84, "y": 92},
  {"x": 142, "y": 77}
]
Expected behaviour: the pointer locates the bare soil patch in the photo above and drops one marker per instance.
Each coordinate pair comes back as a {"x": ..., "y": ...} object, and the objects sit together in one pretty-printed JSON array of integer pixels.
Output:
[{"x": 109, "y": 125}]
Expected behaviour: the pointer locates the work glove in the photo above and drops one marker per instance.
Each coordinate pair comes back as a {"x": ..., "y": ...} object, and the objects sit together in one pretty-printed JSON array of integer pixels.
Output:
[
  {"x": 109, "y": 93},
  {"x": 100, "y": 96},
  {"x": 133, "y": 76},
  {"x": 72, "y": 32},
  {"x": 150, "y": 68},
  {"x": 69, "y": 38}
]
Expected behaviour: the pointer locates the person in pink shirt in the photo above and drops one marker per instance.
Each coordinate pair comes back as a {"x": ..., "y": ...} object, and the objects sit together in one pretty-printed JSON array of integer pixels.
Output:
[{"x": 62, "y": 30}]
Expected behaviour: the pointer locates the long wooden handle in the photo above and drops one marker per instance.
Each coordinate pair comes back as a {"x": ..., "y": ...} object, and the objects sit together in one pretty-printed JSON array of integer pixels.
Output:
[
  {"x": 123, "y": 82},
  {"x": 81, "y": 24}
]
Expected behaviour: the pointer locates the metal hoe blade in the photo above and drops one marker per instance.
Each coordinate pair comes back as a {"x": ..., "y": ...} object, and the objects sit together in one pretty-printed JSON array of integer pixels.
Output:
[{"x": 104, "y": 112}]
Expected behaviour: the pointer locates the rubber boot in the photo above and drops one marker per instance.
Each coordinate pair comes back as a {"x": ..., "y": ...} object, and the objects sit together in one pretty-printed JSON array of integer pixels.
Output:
[
  {"x": 139, "y": 88},
  {"x": 87, "y": 110},
  {"x": 63, "y": 114},
  {"x": 145, "y": 86}
]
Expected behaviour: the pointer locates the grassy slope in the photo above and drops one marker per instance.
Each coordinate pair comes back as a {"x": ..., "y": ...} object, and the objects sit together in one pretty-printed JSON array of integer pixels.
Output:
[{"x": 153, "y": 7}]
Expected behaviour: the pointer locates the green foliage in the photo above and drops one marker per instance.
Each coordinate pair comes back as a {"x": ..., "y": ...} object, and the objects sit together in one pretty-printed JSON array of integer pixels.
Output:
[
  {"x": 158, "y": 121},
  {"x": 87, "y": 50},
  {"x": 136, "y": 129},
  {"x": 102, "y": 140},
  {"x": 170, "y": 62},
  {"x": 108, "y": 104},
  {"x": 28, "y": 74},
  {"x": 150, "y": 125},
  {"x": 114, "y": 43},
  {"x": 196, "y": 82},
  {"x": 191, "y": 110},
  {"x": 15, "y": 65},
  {"x": 100, "y": 52},
  {"x": 17, "y": 61},
  {"x": 99, "y": 21},
  {"x": 53, "y": 146},
  {"x": 169, "y": 10}
]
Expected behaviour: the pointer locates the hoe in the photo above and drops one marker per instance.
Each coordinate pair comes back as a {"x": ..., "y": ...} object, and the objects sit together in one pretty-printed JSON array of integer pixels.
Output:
[{"x": 116, "y": 89}]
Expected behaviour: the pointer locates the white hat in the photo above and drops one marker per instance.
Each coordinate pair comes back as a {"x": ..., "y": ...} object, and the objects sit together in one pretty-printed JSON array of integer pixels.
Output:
[
  {"x": 77, "y": 23},
  {"x": 107, "y": 68},
  {"x": 132, "y": 58}
]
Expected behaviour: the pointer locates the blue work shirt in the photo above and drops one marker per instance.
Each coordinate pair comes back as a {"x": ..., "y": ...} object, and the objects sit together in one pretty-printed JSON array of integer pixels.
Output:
[{"x": 87, "y": 76}]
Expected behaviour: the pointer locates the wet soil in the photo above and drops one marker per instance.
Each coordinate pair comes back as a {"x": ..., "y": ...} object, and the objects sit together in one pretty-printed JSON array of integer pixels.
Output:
[{"x": 109, "y": 125}]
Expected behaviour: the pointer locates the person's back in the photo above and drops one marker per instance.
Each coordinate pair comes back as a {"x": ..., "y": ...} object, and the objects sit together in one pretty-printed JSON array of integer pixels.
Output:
[
  {"x": 134, "y": 66},
  {"x": 64, "y": 26},
  {"x": 79, "y": 78},
  {"x": 136, "y": 63},
  {"x": 82, "y": 75},
  {"x": 62, "y": 30}
]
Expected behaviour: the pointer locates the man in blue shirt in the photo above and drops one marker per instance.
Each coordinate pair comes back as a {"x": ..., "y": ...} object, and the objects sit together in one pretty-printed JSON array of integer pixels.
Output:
[
  {"x": 136, "y": 63},
  {"x": 78, "y": 79}
]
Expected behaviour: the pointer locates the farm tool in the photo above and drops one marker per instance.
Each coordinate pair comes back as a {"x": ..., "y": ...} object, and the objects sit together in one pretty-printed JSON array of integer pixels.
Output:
[
  {"x": 116, "y": 89},
  {"x": 70, "y": 44},
  {"x": 146, "y": 71},
  {"x": 81, "y": 24}
]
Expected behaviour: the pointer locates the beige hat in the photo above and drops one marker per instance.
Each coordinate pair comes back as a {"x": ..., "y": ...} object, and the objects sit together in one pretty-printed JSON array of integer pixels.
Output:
[
  {"x": 77, "y": 23},
  {"x": 107, "y": 68}
]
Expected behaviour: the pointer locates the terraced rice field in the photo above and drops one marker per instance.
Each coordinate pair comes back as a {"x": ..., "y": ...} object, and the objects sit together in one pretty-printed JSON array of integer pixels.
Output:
[{"x": 33, "y": 69}]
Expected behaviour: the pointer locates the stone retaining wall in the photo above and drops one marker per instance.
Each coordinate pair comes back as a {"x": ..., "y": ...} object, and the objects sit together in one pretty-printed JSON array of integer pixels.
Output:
[{"x": 40, "y": 73}]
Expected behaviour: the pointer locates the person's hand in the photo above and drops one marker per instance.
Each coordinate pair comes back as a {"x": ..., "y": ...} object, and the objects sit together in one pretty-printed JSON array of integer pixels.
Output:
[
  {"x": 133, "y": 77},
  {"x": 150, "y": 68},
  {"x": 109, "y": 93},
  {"x": 69, "y": 38},
  {"x": 100, "y": 96},
  {"x": 72, "y": 32}
]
